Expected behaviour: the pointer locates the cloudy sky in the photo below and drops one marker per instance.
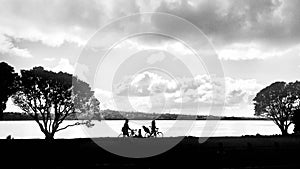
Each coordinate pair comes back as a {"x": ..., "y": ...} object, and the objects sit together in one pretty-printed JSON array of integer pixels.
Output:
[{"x": 107, "y": 43}]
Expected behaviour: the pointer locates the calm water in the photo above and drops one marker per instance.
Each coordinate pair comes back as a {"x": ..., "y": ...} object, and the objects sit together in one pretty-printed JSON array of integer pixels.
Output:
[{"x": 112, "y": 128}]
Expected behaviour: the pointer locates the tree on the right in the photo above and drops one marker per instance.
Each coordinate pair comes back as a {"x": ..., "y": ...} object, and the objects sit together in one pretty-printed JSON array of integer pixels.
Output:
[
  {"x": 278, "y": 102},
  {"x": 296, "y": 121},
  {"x": 296, "y": 115}
]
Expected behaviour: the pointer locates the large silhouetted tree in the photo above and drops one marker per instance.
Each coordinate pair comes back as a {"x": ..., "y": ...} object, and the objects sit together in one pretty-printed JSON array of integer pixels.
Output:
[
  {"x": 7, "y": 85},
  {"x": 50, "y": 98},
  {"x": 278, "y": 102},
  {"x": 296, "y": 116},
  {"x": 296, "y": 121}
]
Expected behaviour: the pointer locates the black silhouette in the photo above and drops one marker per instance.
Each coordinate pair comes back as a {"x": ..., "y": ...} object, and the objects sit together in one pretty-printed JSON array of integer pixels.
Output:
[
  {"x": 50, "y": 98},
  {"x": 7, "y": 85},
  {"x": 126, "y": 128},
  {"x": 9, "y": 137},
  {"x": 139, "y": 135},
  {"x": 278, "y": 102},
  {"x": 153, "y": 128},
  {"x": 152, "y": 133},
  {"x": 296, "y": 121},
  {"x": 147, "y": 131}
]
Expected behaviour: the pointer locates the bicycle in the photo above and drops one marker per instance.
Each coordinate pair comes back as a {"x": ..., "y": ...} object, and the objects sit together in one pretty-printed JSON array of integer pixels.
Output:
[
  {"x": 155, "y": 133},
  {"x": 132, "y": 133}
]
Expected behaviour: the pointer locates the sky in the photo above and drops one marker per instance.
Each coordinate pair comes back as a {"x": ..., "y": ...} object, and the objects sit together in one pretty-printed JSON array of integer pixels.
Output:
[{"x": 171, "y": 56}]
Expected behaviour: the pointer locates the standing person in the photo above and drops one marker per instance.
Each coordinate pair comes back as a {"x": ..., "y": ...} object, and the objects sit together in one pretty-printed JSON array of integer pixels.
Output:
[
  {"x": 125, "y": 128},
  {"x": 139, "y": 135},
  {"x": 153, "y": 128}
]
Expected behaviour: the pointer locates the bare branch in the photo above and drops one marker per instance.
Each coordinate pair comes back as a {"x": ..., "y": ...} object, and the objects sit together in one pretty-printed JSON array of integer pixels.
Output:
[{"x": 71, "y": 125}]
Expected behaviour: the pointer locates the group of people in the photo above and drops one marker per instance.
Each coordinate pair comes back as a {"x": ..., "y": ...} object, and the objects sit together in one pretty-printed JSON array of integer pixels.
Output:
[{"x": 126, "y": 129}]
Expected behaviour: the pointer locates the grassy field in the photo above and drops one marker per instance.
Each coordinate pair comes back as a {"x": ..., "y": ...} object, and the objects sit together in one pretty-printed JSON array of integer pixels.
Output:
[{"x": 218, "y": 152}]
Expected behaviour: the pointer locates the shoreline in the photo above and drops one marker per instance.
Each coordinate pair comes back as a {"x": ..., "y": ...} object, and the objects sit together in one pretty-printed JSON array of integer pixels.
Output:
[{"x": 152, "y": 119}]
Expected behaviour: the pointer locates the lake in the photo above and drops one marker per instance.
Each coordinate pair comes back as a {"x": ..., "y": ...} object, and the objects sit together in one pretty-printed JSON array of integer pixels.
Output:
[{"x": 170, "y": 128}]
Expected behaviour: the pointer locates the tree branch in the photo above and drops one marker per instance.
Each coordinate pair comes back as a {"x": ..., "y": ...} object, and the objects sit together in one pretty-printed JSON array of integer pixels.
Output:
[{"x": 71, "y": 125}]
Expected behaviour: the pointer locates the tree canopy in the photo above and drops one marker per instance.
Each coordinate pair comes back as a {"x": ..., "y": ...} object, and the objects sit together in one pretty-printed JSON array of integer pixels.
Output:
[
  {"x": 7, "y": 85},
  {"x": 50, "y": 98},
  {"x": 296, "y": 121},
  {"x": 278, "y": 102}
]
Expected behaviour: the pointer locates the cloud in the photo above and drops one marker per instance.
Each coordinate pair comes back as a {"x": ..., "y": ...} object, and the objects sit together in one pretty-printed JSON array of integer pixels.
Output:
[
  {"x": 241, "y": 90},
  {"x": 144, "y": 84},
  {"x": 199, "y": 89},
  {"x": 105, "y": 98},
  {"x": 245, "y": 51},
  {"x": 240, "y": 30},
  {"x": 157, "y": 92},
  {"x": 230, "y": 24},
  {"x": 59, "y": 21},
  {"x": 113, "y": 102},
  {"x": 272, "y": 21},
  {"x": 157, "y": 57},
  {"x": 49, "y": 59},
  {"x": 64, "y": 65},
  {"x": 7, "y": 47}
]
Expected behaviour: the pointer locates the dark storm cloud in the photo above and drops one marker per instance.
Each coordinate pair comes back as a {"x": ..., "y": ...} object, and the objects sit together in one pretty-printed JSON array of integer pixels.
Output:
[
  {"x": 272, "y": 22},
  {"x": 53, "y": 22}
]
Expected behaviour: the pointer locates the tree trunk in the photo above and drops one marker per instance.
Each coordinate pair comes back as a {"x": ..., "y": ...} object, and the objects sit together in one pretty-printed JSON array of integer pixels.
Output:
[
  {"x": 284, "y": 130},
  {"x": 49, "y": 136},
  {"x": 2, "y": 108},
  {"x": 1, "y": 114}
]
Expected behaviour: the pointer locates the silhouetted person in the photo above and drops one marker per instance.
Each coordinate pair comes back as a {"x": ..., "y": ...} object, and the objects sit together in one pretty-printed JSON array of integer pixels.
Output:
[
  {"x": 153, "y": 127},
  {"x": 9, "y": 137},
  {"x": 146, "y": 129},
  {"x": 125, "y": 128},
  {"x": 139, "y": 135}
]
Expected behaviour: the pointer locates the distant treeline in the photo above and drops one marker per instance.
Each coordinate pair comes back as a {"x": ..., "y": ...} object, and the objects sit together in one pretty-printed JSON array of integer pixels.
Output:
[{"x": 121, "y": 115}]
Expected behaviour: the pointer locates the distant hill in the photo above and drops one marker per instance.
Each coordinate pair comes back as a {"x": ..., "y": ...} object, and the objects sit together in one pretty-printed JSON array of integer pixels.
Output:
[{"x": 121, "y": 115}]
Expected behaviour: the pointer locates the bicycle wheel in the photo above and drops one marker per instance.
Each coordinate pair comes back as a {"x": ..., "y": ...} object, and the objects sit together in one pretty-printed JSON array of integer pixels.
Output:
[
  {"x": 159, "y": 134},
  {"x": 132, "y": 133},
  {"x": 121, "y": 135},
  {"x": 147, "y": 135}
]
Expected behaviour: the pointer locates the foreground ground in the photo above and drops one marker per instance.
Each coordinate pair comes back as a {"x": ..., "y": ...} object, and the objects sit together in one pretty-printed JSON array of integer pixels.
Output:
[{"x": 221, "y": 152}]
